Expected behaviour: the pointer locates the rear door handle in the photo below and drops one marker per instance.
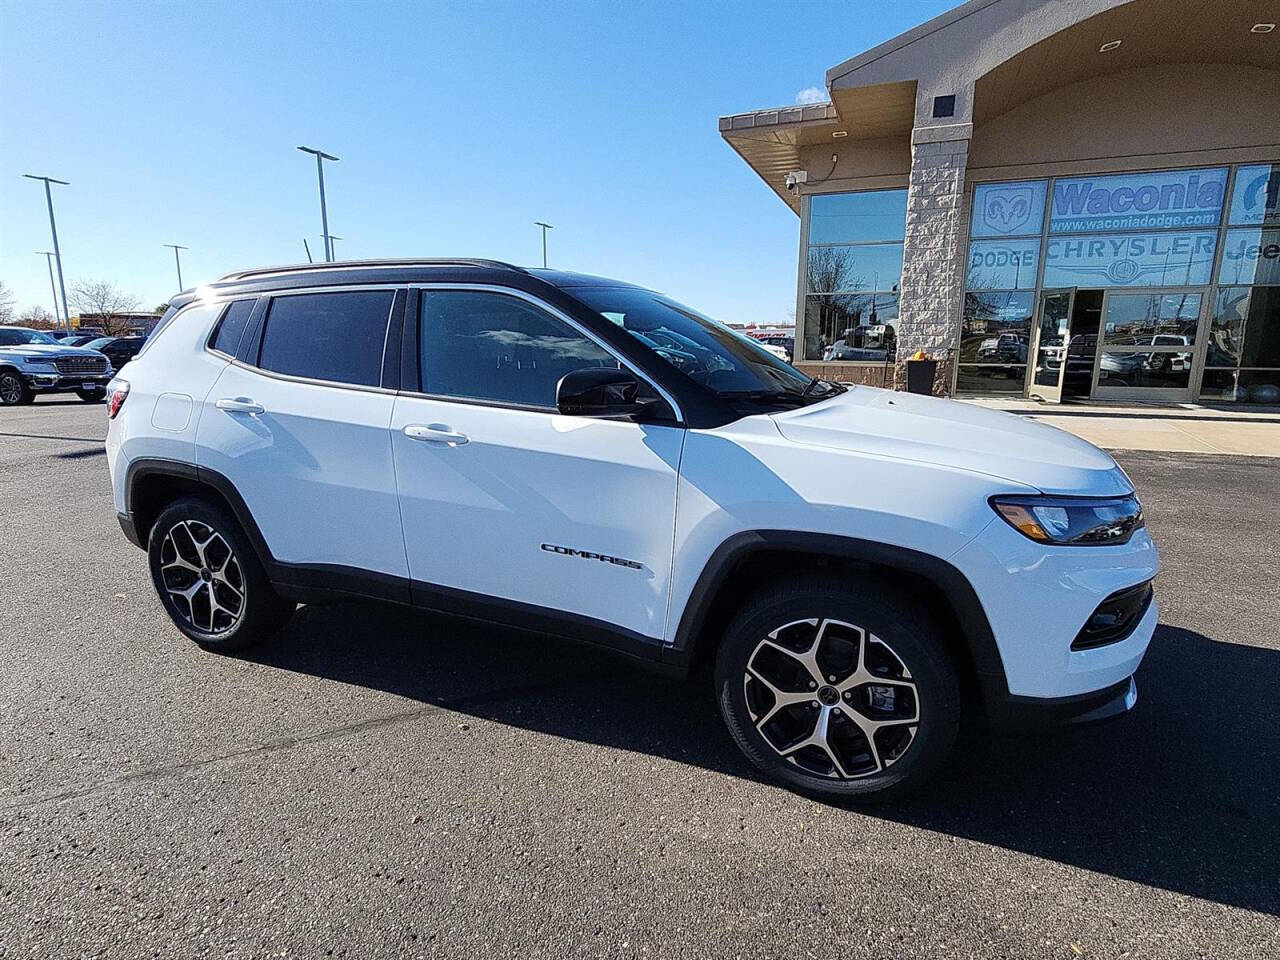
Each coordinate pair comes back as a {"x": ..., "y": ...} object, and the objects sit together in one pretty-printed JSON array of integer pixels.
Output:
[
  {"x": 435, "y": 433},
  {"x": 240, "y": 405}
]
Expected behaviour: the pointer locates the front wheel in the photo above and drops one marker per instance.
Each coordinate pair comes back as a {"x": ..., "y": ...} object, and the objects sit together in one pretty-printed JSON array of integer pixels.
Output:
[
  {"x": 839, "y": 688},
  {"x": 13, "y": 389},
  {"x": 209, "y": 578}
]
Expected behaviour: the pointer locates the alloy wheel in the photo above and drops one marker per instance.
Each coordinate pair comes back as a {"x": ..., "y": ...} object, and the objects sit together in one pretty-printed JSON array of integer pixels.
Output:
[
  {"x": 10, "y": 389},
  {"x": 202, "y": 576},
  {"x": 831, "y": 698}
]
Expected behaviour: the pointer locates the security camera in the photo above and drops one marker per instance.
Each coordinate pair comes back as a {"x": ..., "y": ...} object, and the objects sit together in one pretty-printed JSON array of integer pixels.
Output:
[{"x": 796, "y": 177}]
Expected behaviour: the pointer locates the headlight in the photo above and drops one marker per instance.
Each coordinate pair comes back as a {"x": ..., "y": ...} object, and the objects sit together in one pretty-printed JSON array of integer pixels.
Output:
[
  {"x": 43, "y": 361},
  {"x": 1078, "y": 521}
]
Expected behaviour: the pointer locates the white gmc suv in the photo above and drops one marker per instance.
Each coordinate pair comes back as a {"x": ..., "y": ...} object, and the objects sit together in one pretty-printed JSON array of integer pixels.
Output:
[{"x": 859, "y": 569}]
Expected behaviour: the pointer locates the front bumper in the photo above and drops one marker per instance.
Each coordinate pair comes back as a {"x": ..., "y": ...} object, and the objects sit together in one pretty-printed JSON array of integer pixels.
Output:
[
  {"x": 1014, "y": 714},
  {"x": 66, "y": 382},
  {"x": 1038, "y": 598}
]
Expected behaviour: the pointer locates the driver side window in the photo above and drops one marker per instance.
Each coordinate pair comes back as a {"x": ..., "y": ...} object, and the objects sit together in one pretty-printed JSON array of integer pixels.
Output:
[{"x": 492, "y": 347}]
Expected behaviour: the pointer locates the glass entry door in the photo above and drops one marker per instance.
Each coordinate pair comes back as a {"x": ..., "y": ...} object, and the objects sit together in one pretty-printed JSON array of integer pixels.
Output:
[
  {"x": 1149, "y": 343},
  {"x": 1049, "y": 337}
]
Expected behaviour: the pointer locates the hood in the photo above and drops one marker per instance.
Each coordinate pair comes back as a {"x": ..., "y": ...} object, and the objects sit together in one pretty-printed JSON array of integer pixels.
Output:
[
  {"x": 907, "y": 426},
  {"x": 49, "y": 350}
]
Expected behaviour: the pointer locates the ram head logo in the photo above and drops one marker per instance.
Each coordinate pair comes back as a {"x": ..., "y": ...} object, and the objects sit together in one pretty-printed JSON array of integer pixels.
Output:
[{"x": 1008, "y": 209}]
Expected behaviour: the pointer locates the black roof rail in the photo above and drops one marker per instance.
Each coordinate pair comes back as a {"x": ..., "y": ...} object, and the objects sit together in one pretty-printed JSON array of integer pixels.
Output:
[{"x": 367, "y": 264}]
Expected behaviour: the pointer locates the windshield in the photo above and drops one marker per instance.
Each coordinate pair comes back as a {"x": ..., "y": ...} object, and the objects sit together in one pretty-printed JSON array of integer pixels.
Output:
[
  {"x": 706, "y": 352},
  {"x": 99, "y": 343},
  {"x": 18, "y": 336}
]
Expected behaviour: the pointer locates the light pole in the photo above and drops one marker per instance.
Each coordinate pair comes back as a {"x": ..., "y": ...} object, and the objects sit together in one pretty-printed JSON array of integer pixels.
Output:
[
  {"x": 176, "y": 262},
  {"x": 545, "y": 227},
  {"x": 53, "y": 290},
  {"x": 57, "y": 252},
  {"x": 333, "y": 249},
  {"x": 321, "y": 157}
]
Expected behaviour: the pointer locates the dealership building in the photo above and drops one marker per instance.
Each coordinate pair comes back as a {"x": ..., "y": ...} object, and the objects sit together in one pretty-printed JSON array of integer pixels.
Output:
[{"x": 1057, "y": 199}]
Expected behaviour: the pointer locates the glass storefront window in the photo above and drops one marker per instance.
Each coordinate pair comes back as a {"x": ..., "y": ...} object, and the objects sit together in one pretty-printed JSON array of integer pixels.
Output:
[
  {"x": 995, "y": 327},
  {"x": 853, "y": 268},
  {"x": 848, "y": 326},
  {"x": 873, "y": 267},
  {"x": 1226, "y": 327},
  {"x": 1138, "y": 201},
  {"x": 868, "y": 217},
  {"x": 1251, "y": 256},
  {"x": 1260, "y": 345},
  {"x": 1241, "y": 386},
  {"x": 1151, "y": 319},
  {"x": 1003, "y": 264},
  {"x": 1084, "y": 238},
  {"x": 1255, "y": 198},
  {"x": 1163, "y": 371},
  {"x": 995, "y": 333},
  {"x": 1008, "y": 209}
]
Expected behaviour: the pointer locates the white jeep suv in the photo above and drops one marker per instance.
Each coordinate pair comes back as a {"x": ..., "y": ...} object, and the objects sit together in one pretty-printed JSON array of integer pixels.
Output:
[{"x": 858, "y": 569}]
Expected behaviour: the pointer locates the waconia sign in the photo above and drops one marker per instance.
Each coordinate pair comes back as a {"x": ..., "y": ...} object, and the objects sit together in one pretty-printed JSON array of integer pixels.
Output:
[{"x": 1136, "y": 201}]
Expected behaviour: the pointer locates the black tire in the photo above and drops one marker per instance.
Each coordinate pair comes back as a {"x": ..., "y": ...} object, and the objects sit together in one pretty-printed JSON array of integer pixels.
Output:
[
  {"x": 13, "y": 389},
  {"x": 903, "y": 761},
  {"x": 225, "y": 627},
  {"x": 97, "y": 395}
]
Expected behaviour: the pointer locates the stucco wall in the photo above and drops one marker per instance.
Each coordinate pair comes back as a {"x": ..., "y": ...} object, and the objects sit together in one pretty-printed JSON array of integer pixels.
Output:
[
  {"x": 1155, "y": 112},
  {"x": 860, "y": 159}
]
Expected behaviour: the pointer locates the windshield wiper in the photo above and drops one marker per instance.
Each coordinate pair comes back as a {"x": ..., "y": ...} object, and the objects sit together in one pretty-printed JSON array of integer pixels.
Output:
[
  {"x": 832, "y": 388},
  {"x": 762, "y": 396}
]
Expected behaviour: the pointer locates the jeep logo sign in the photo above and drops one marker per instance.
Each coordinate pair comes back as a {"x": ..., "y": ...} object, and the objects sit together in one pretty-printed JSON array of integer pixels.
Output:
[{"x": 1183, "y": 198}]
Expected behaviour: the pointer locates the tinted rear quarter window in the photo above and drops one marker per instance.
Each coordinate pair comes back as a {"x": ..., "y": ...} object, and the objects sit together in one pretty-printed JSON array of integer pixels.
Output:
[
  {"x": 337, "y": 337},
  {"x": 232, "y": 325}
]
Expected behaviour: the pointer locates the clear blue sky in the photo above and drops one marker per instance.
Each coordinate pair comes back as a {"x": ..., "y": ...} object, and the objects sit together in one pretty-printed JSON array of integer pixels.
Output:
[{"x": 458, "y": 125}]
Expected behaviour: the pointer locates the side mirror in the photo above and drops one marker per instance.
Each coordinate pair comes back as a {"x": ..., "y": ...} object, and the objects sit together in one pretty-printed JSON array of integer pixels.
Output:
[{"x": 599, "y": 392}]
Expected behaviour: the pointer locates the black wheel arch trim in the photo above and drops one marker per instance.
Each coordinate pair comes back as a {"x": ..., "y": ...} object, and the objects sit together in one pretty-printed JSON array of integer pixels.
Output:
[
  {"x": 321, "y": 583},
  {"x": 976, "y": 628}
]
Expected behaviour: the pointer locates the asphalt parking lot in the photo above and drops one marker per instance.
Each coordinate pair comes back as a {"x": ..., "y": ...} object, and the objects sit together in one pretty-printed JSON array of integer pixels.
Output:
[{"x": 387, "y": 784}]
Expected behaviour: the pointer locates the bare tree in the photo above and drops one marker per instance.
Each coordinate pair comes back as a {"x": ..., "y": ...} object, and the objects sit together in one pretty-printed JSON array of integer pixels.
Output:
[
  {"x": 7, "y": 304},
  {"x": 101, "y": 302},
  {"x": 38, "y": 318}
]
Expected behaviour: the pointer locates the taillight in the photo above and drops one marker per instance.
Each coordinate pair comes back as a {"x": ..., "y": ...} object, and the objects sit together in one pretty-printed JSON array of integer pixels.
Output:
[{"x": 117, "y": 393}]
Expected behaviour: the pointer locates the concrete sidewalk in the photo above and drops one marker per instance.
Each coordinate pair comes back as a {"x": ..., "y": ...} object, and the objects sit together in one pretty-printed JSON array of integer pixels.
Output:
[{"x": 1174, "y": 428}]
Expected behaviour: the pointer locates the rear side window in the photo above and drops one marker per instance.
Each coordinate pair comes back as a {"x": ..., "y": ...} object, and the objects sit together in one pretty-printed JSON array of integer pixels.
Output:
[
  {"x": 230, "y": 329},
  {"x": 328, "y": 336},
  {"x": 490, "y": 347}
]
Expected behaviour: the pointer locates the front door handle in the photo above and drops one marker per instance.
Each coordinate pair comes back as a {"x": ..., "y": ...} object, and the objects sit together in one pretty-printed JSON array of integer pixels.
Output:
[
  {"x": 240, "y": 405},
  {"x": 435, "y": 433}
]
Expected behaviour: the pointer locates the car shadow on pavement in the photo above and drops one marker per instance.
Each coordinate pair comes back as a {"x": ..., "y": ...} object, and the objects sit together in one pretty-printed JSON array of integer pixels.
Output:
[{"x": 1183, "y": 794}]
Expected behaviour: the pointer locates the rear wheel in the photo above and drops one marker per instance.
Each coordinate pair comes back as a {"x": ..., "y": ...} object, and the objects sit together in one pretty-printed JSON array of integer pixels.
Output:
[
  {"x": 209, "y": 578},
  {"x": 839, "y": 688},
  {"x": 13, "y": 389}
]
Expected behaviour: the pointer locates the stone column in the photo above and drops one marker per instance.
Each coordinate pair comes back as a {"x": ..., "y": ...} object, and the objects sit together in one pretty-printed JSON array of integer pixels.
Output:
[{"x": 932, "y": 274}]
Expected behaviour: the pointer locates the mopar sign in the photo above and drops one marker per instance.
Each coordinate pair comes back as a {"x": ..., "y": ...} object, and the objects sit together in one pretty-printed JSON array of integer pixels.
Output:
[
  {"x": 1138, "y": 201},
  {"x": 1255, "y": 199}
]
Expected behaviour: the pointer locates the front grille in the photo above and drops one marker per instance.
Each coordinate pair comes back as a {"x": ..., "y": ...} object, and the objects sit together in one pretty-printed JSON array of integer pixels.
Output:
[
  {"x": 1115, "y": 617},
  {"x": 81, "y": 364}
]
